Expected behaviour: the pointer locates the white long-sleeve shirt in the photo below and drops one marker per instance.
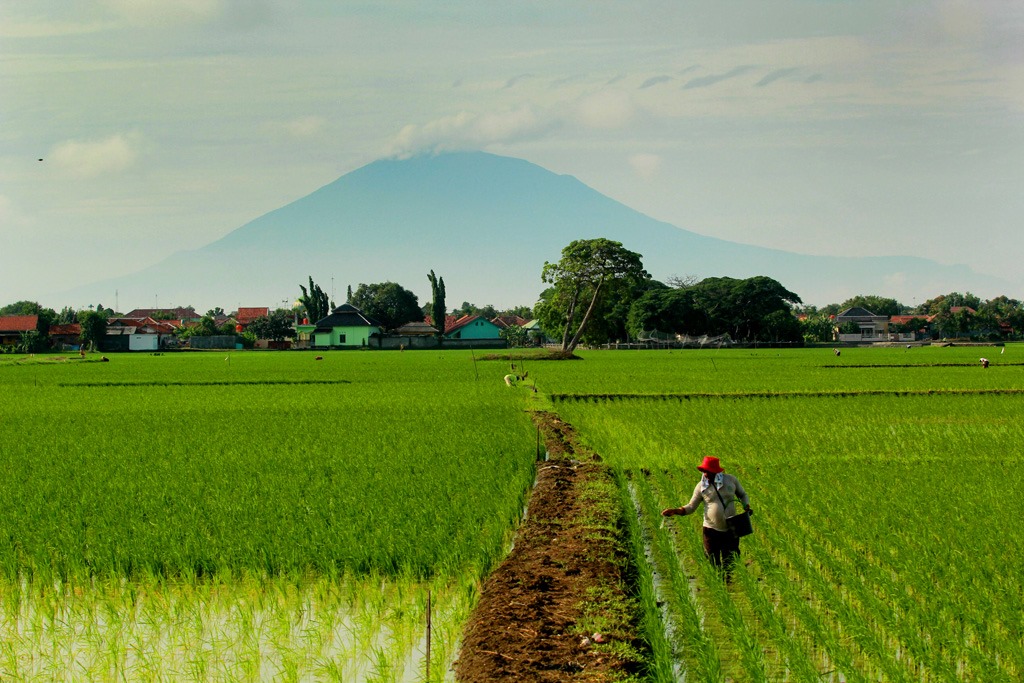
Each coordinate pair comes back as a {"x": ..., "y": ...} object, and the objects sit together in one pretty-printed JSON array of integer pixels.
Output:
[{"x": 714, "y": 513}]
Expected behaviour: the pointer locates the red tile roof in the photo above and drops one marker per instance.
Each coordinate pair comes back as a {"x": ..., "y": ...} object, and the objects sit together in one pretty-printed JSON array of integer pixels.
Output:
[
  {"x": 69, "y": 329},
  {"x": 247, "y": 315},
  {"x": 18, "y": 323},
  {"x": 451, "y": 325},
  {"x": 904, "y": 319},
  {"x": 507, "y": 321},
  {"x": 157, "y": 326}
]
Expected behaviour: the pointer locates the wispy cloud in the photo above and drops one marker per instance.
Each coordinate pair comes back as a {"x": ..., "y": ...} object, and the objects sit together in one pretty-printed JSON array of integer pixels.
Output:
[
  {"x": 776, "y": 75},
  {"x": 707, "y": 81},
  {"x": 165, "y": 12},
  {"x": 605, "y": 109},
  {"x": 645, "y": 165},
  {"x": 36, "y": 28},
  {"x": 655, "y": 80},
  {"x": 511, "y": 83},
  {"x": 95, "y": 158},
  {"x": 467, "y": 130},
  {"x": 304, "y": 126}
]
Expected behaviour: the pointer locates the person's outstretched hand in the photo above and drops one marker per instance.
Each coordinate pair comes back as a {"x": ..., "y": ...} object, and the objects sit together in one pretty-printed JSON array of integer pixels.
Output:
[{"x": 671, "y": 512}]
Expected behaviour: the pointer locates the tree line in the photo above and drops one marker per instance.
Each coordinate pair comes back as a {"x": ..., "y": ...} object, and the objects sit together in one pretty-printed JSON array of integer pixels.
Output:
[{"x": 598, "y": 292}]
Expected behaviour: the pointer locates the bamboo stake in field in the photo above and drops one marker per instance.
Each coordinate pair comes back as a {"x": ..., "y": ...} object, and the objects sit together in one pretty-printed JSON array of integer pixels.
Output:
[{"x": 428, "y": 635}]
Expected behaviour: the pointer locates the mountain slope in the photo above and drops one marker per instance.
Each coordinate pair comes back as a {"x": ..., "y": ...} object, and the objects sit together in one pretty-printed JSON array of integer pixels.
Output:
[{"x": 486, "y": 224}]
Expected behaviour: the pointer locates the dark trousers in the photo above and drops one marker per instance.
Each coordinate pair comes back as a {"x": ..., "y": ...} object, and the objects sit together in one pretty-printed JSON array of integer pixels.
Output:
[{"x": 721, "y": 547}]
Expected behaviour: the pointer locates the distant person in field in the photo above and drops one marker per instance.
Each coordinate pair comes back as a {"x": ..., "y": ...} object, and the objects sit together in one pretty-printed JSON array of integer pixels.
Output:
[{"x": 718, "y": 491}]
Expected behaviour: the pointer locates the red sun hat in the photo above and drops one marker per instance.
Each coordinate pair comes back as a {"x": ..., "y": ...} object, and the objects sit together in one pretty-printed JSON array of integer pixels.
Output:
[{"x": 710, "y": 465}]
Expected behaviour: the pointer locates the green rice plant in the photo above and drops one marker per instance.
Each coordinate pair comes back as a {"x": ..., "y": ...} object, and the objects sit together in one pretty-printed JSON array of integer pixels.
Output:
[
  {"x": 660, "y": 668},
  {"x": 264, "y": 516},
  {"x": 868, "y": 559},
  {"x": 695, "y": 647},
  {"x": 263, "y": 478}
]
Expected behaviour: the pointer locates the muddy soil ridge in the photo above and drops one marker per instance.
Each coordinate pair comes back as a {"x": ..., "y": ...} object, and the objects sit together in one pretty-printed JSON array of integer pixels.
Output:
[{"x": 556, "y": 609}]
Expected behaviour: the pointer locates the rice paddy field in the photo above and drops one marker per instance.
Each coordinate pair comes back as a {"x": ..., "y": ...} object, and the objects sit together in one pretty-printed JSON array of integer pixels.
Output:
[
  {"x": 885, "y": 483},
  {"x": 267, "y": 516},
  {"x": 251, "y": 516}
]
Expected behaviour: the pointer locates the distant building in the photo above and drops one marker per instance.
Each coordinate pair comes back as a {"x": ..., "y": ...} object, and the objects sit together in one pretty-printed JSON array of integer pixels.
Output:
[
  {"x": 472, "y": 327},
  {"x": 13, "y": 326},
  {"x": 873, "y": 328},
  {"x": 506, "y": 321},
  {"x": 67, "y": 335},
  {"x": 245, "y": 316},
  {"x": 900, "y": 321},
  {"x": 416, "y": 329},
  {"x": 345, "y": 327},
  {"x": 138, "y": 334}
]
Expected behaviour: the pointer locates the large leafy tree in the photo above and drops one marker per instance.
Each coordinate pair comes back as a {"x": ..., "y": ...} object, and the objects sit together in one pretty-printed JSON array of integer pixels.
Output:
[
  {"x": 94, "y": 328},
  {"x": 757, "y": 308},
  {"x": 670, "y": 311},
  {"x": 1003, "y": 309},
  {"x": 315, "y": 301},
  {"x": 943, "y": 302},
  {"x": 388, "y": 302},
  {"x": 818, "y": 327},
  {"x": 276, "y": 327},
  {"x": 437, "y": 303},
  {"x": 879, "y": 305},
  {"x": 587, "y": 275}
]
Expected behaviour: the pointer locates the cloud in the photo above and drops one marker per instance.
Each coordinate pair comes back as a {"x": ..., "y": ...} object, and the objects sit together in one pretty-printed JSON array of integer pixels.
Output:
[
  {"x": 510, "y": 83},
  {"x": 605, "y": 109},
  {"x": 10, "y": 216},
  {"x": 776, "y": 75},
  {"x": 655, "y": 80},
  {"x": 467, "y": 130},
  {"x": 645, "y": 165},
  {"x": 36, "y": 28},
  {"x": 707, "y": 81},
  {"x": 95, "y": 158},
  {"x": 305, "y": 126},
  {"x": 165, "y": 12}
]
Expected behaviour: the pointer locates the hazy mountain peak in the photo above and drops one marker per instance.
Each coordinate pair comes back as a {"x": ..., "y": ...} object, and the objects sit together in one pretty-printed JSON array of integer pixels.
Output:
[{"x": 486, "y": 223}]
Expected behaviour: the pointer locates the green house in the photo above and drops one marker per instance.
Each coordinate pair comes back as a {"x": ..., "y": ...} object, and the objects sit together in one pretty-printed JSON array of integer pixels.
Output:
[
  {"x": 345, "y": 327},
  {"x": 472, "y": 327}
]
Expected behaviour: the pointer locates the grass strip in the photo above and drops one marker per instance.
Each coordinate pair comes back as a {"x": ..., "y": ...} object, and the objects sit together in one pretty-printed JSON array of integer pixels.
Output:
[
  {"x": 207, "y": 383},
  {"x": 597, "y": 398}
]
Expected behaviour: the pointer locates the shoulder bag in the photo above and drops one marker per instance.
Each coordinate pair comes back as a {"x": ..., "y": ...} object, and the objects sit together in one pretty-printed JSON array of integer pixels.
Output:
[{"x": 739, "y": 525}]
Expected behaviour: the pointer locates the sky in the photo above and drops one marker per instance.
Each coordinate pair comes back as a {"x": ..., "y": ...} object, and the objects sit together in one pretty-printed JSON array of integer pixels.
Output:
[{"x": 133, "y": 129}]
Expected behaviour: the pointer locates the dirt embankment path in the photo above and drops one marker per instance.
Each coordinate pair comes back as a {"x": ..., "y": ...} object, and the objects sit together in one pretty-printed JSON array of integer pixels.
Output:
[{"x": 556, "y": 609}]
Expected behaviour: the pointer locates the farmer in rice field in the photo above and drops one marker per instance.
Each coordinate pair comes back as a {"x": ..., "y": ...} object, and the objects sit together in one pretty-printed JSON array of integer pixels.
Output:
[{"x": 718, "y": 491}]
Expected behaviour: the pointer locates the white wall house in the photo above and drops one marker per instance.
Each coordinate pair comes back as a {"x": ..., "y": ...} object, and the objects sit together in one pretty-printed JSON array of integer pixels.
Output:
[{"x": 873, "y": 328}]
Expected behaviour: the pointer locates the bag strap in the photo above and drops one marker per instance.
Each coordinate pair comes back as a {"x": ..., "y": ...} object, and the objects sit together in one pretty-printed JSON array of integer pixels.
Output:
[{"x": 720, "y": 499}]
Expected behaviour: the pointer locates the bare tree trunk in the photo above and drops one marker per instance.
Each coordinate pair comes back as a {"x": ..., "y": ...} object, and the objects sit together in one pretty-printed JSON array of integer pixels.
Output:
[
  {"x": 586, "y": 316},
  {"x": 568, "y": 319}
]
